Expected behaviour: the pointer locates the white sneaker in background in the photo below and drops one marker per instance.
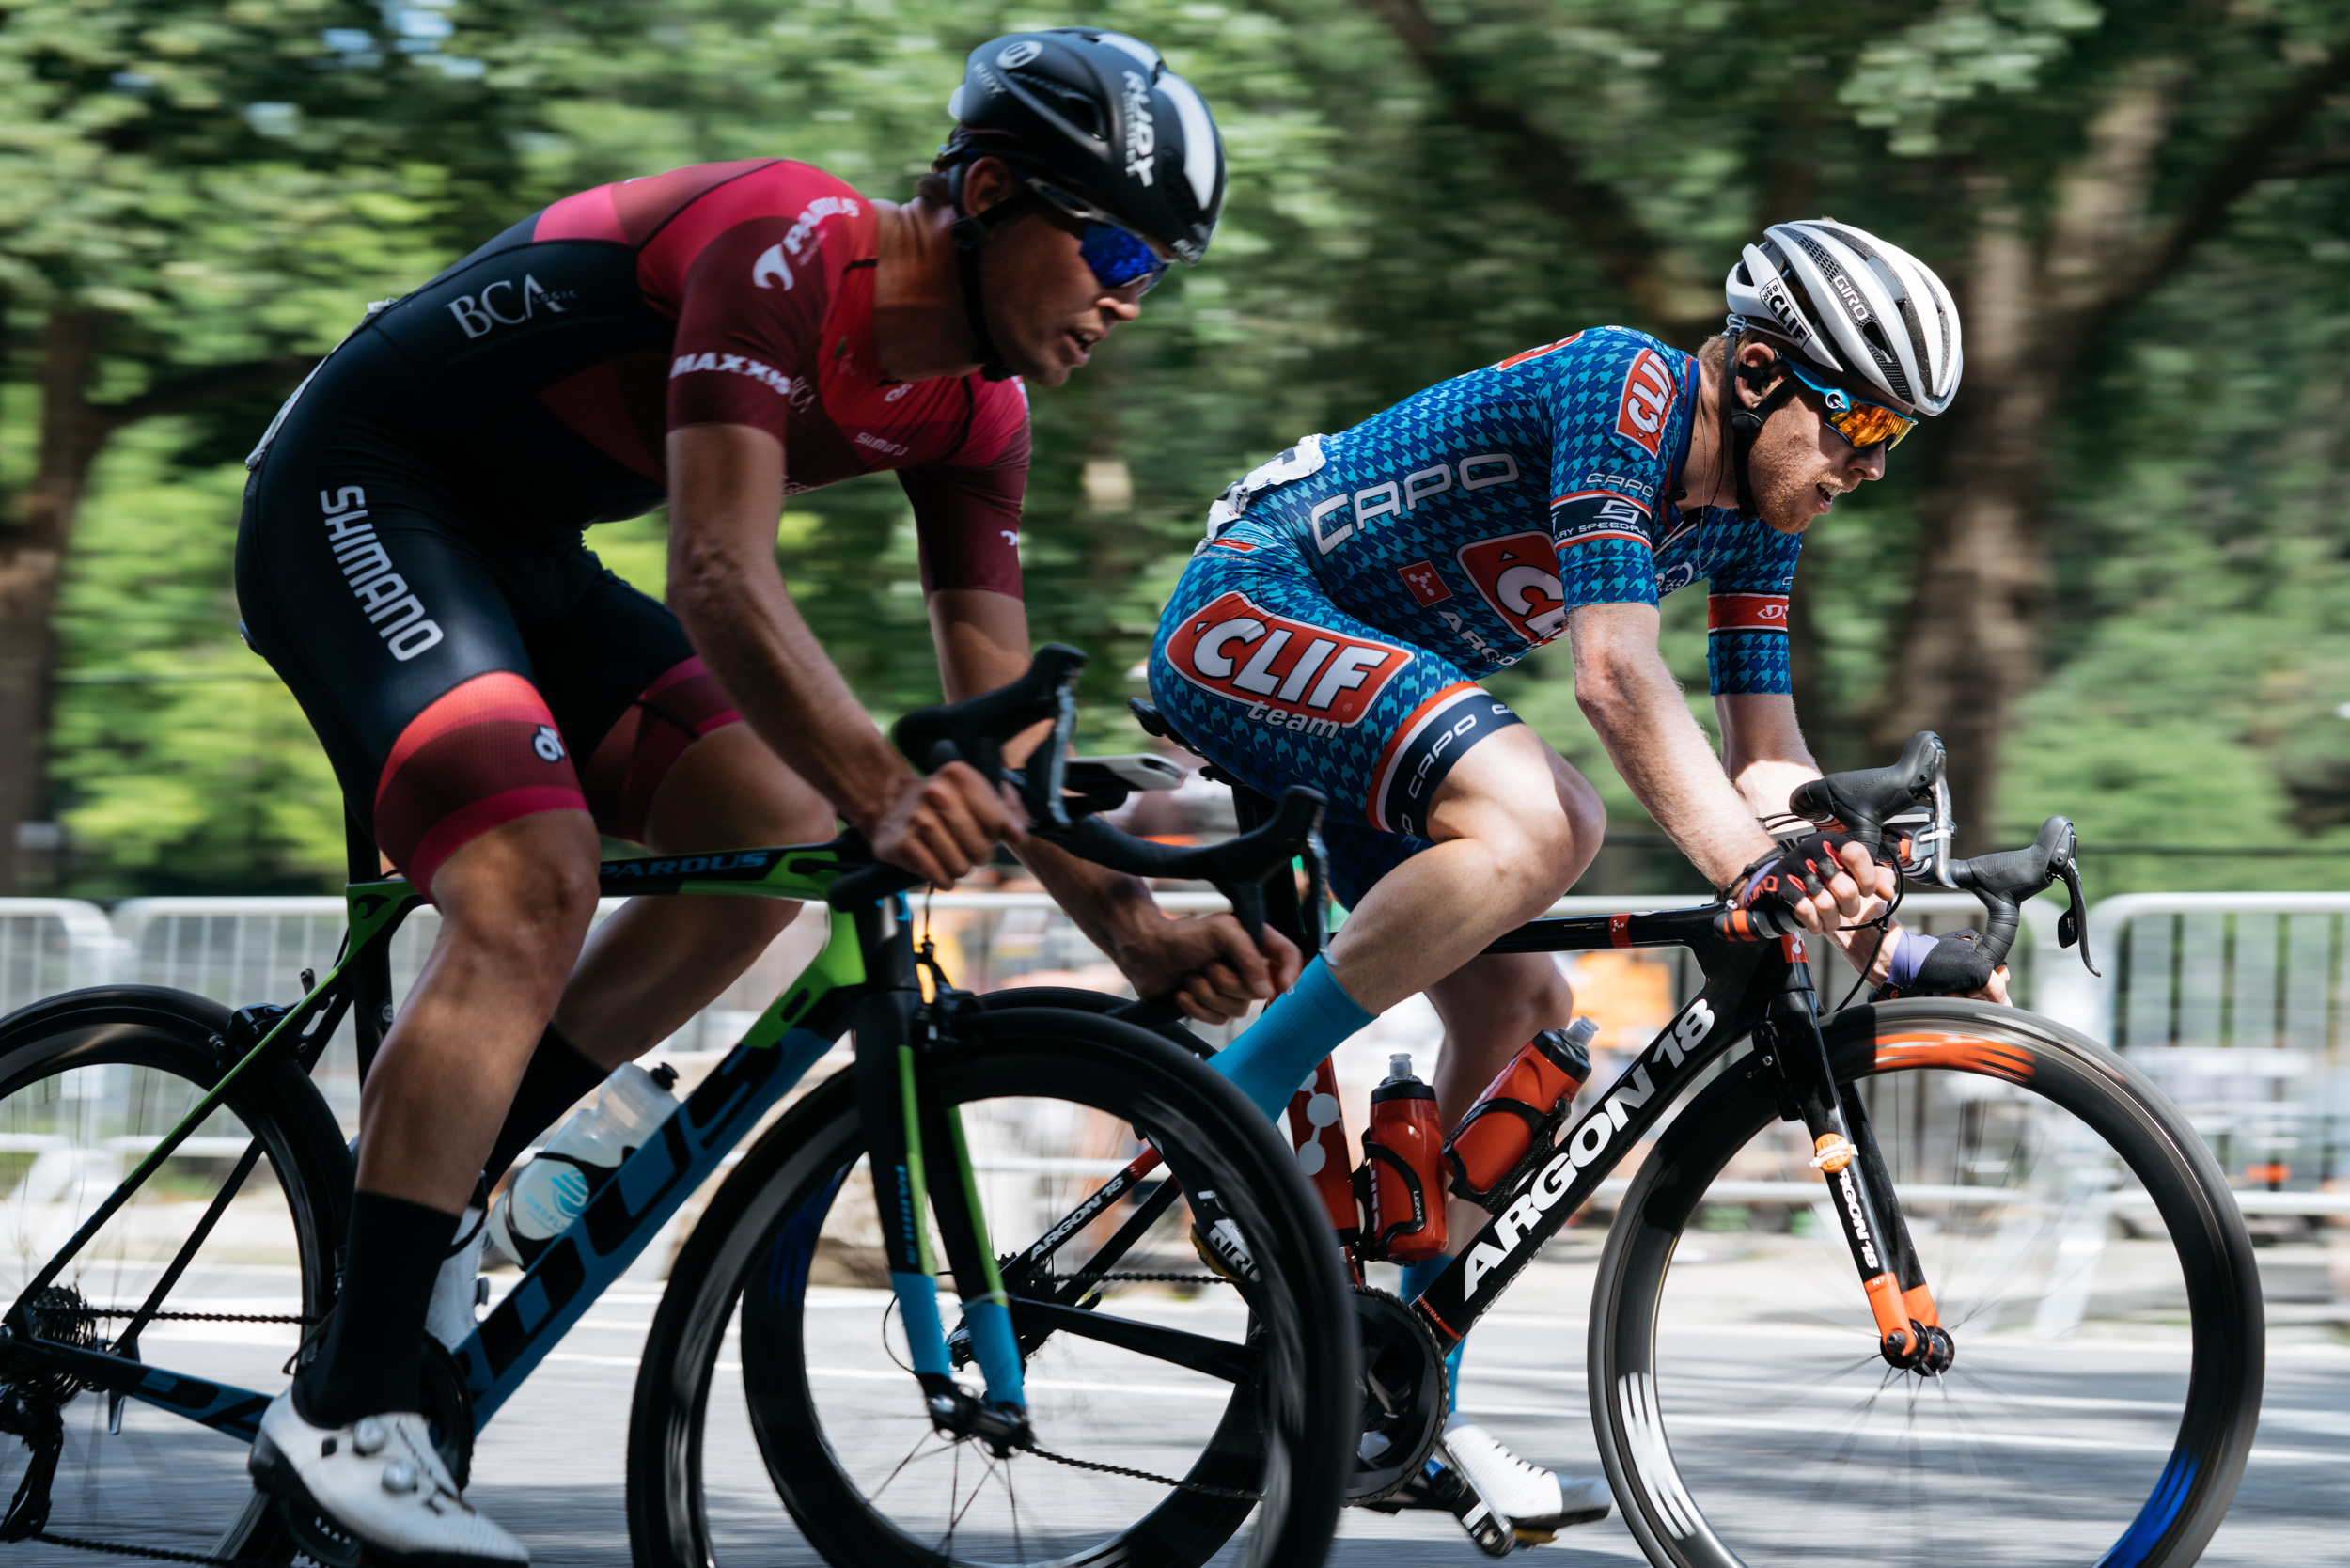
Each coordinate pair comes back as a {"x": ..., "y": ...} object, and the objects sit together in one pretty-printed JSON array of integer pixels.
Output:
[
  {"x": 379, "y": 1481},
  {"x": 1535, "y": 1500}
]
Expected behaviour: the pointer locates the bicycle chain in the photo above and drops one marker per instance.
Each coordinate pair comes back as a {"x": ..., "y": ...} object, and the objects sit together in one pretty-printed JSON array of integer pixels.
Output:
[
  {"x": 1235, "y": 1493},
  {"x": 198, "y": 1317},
  {"x": 157, "y": 1553}
]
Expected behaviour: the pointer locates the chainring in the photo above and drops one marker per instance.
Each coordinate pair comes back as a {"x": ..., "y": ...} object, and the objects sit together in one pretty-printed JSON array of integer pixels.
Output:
[{"x": 1402, "y": 1385}]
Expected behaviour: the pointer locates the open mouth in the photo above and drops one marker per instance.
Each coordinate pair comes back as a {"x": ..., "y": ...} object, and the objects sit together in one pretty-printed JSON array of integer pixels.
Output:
[{"x": 1827, "y": 497}]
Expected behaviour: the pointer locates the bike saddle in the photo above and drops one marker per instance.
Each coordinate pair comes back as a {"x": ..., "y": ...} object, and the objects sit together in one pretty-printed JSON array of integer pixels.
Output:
[
  {"x": 1862, "y": 801},
  {"x": 2005, "y": 880}
]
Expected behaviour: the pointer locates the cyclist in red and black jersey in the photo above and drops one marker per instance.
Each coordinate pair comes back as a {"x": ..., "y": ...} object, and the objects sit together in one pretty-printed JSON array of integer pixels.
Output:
[{"x": 410, "y": 562}]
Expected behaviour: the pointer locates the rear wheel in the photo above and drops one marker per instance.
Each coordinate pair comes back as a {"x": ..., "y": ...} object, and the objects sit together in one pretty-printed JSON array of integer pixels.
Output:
[
  {"x": 90, "y": 1082},
  {"x": 2083, "y": 1251},
  {"x": 775, "y": 1367}
]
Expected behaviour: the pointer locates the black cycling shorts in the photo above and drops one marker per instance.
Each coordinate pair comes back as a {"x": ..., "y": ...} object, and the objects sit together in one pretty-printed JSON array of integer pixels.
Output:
[{"x": 454, "y": 676}]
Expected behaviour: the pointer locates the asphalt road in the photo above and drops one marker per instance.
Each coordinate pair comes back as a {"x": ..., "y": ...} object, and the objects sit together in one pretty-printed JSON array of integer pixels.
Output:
[{"x": 551, "y": 1467}]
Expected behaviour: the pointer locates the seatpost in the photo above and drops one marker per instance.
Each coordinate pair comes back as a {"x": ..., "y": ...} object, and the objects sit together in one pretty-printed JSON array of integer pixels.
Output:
[
  {"x": 1790, "y": 1032},
  {"x": 370, "y": 971}
]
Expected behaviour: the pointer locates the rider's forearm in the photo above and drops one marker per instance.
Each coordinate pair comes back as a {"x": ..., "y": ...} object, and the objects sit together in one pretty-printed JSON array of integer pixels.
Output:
[
  {"x": 1111, "y": 908},
  {"x": 1763, "y": 749},
  {"x": 730, "y": 594},
  {"x": 1636, "y": 707}
]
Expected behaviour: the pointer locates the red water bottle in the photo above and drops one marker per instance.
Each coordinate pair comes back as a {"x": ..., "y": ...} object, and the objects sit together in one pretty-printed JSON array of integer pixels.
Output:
[
  {"x": 1402, "y": 1198},
  {"x": 1523, "y": 1101}
]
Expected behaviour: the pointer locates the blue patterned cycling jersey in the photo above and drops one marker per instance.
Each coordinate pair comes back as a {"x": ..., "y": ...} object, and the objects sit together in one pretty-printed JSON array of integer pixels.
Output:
[{"x": 1469, "y": 518}]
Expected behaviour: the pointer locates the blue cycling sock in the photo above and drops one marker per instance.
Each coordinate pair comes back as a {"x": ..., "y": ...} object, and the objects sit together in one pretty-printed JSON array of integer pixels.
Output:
[
  {"x": 1418, "y": 1277},
  {"x": 1301, "y": 1027}
]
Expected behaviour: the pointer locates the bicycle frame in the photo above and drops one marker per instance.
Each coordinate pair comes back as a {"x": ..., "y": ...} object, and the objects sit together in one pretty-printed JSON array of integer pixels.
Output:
[
  {"x": 869, "y": 958},
  {"x": 1763, "y": 990}
]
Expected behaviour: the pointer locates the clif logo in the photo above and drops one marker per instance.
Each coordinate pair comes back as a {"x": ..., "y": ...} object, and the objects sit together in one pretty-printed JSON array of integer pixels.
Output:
[
  {"x": 1238, "y": 650},
  {"x": 1648, "y": 391},
  {"x": 1518, "y": 575}
]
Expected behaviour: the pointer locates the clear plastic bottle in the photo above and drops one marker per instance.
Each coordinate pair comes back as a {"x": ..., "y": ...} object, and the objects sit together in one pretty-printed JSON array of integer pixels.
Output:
[
  {"x": 550, "y": 1191},
  {"x": 1403, "y": 1195}
]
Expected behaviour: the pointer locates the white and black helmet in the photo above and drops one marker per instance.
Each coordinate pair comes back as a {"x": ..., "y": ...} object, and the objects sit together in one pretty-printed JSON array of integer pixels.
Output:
[
  {"x": 1099, "y": 117},
  {"x": 1854, "y": 305}
]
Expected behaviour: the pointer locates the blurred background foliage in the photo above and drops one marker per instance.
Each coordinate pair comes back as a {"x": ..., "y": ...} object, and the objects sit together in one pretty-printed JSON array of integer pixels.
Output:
[{"x": 216, "y": 191}]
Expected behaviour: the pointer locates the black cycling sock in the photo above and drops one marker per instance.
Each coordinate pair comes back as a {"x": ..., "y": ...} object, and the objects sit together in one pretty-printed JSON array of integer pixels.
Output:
[
  {"x": 373, "y": 1359},
  {"x": 558, "y": 1079}
]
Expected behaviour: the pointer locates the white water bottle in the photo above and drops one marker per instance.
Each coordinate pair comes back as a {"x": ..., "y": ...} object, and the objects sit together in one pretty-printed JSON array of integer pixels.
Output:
[{"x": 550, "y": 1192}]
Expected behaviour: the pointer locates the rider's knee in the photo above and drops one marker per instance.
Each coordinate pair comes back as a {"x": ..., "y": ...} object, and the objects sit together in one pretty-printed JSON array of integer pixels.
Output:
[{"x": 522, "y": 898}]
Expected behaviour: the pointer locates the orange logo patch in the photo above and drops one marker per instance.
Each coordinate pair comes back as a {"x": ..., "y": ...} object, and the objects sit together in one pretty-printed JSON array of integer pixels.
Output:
[
  {"x": 1957, "y": 1052},
  {"x": 1648, "y": 395},
  {"x": 1285, "y": 669},
  {"x": 1518, "y": 575}
]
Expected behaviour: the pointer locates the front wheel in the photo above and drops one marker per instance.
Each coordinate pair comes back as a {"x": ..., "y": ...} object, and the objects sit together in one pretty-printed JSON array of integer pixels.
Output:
[
  {"x": 776, "y": 1368},
  {"x": 2085, "y": 1255}
]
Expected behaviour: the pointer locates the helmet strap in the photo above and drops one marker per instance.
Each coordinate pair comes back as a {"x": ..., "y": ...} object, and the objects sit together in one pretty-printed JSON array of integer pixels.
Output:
[
  {"x": 1742, "y": 425},
  {"x": 969, "y": 234}
]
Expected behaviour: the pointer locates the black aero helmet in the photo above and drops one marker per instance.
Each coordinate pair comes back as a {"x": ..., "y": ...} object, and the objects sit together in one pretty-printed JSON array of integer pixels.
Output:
[{"x": 1098, "y": 119}]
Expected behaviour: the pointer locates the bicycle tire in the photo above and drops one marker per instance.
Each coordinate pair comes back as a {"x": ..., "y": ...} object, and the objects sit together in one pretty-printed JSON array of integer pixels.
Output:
[
  {"x": 1292, "y": 1435},
  {"x": 154, "y": 1052},
  {"x": 2048, "y": 1126}
]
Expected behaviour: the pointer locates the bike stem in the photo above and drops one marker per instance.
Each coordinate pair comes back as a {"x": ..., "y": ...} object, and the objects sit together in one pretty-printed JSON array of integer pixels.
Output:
[{"x": 1861, "y": 1190}]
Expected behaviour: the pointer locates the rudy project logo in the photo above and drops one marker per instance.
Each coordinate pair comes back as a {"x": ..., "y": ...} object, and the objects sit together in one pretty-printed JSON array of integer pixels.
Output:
[
  {"x": 1142, "y": 129},
  {"x": 1648, "y": 393},
  {"x": 1322, "y": 681},
  {"x": 1518, "y": 575}
]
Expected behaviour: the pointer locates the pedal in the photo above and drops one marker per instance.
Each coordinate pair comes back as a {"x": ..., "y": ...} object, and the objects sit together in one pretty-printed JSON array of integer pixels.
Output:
[{"x": 1451, "y": 1489}]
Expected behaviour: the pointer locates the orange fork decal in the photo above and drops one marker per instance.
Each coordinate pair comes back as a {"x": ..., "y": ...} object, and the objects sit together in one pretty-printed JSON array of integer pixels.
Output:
[
  {"x": 1885, "y": 1301},
  {"x": 1918, "y": 1302}
]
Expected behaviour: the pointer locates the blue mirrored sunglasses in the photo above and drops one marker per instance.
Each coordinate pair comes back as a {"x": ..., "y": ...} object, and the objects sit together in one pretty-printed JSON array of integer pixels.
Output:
[{"x": 1120, "y": 258}]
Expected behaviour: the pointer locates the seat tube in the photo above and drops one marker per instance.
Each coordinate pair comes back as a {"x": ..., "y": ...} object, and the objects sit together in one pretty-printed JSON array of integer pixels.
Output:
[
  {"x": 1792, "y": 1027},
  {"x": 372, "y": 967}
]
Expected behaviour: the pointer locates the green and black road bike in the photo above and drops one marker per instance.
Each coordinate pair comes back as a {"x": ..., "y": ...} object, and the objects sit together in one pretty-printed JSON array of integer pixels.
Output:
[{"x": 176, "y": 1192}]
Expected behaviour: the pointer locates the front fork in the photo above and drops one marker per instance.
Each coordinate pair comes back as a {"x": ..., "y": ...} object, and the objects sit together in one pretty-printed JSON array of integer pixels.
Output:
[
  {"x": 1844, "y": 1150},
  {"x": 918, "y": 1153}
]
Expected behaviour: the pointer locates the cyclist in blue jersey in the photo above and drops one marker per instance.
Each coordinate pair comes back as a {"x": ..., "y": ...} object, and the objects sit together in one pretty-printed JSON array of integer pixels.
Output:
[{"x": 1332, "y": 629}]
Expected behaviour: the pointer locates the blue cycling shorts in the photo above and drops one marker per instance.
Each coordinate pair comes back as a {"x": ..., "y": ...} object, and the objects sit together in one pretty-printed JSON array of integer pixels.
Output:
[{"x": 1266, "y": 677}]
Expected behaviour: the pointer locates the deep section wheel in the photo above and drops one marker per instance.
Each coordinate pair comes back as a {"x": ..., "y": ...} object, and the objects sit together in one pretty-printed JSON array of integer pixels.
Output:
[
  {"x": 2087, "y": 1260},
  {"x": 773, "y": 1402},
  {"x": 90, "y": 1082}
]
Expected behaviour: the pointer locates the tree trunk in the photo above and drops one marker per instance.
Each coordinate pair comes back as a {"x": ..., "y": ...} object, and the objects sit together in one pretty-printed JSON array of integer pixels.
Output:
[{"x": 32, "y": 555}]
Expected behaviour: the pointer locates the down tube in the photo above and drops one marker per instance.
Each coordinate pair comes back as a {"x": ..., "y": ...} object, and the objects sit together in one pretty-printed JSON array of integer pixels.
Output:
[
  {"x": 622, "y": 1218},
  {"x": 1616, "y": 1120}
]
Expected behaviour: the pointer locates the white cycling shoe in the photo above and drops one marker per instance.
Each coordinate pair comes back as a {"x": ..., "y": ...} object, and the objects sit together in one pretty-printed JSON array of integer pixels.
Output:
[
  {"x": 1535, "y": 1501},
  {"x": 380, "y": 1481}
]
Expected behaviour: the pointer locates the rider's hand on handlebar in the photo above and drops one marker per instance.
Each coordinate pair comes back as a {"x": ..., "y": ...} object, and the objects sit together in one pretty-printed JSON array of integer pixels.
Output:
[
  {"x": 941, "y": 826},
  {"x": 1824, "y": 880},
  {"x": 1210, "y": 966}
]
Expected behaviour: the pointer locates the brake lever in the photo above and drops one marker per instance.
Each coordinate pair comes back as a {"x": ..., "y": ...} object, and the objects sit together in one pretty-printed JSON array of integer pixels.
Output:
[{"x": 2073, "y": 925}]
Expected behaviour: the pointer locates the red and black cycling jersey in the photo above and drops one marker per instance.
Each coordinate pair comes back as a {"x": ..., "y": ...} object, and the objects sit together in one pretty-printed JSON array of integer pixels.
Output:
[{"x": 543, "y": 373}]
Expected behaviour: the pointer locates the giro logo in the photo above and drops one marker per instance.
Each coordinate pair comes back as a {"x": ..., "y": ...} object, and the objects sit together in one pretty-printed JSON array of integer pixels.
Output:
[
  {"x": 1516, "y": 1227},
  {"x": 505, "y": 302},
  {"x": 1301, "y": 677},
  {"x": 1745, "y": 612},
  {"x": 1648, "y": 392},
  {"x": 1518, "y": 575},
  {"x": 1142, "y": 129},
  {"x": 1014, "y": 55},
  {"x": 1853, "y": 301}
]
